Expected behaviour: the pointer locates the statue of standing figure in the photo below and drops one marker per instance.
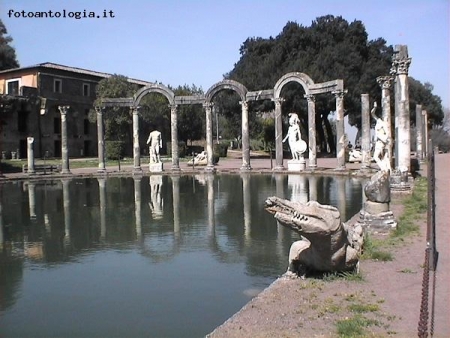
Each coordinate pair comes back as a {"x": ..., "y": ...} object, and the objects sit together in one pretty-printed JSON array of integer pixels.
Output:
[
  {"x": 296, "y": 144},
  {"x": 155, "y": 143},
  {"x": 382, "y": 140}
]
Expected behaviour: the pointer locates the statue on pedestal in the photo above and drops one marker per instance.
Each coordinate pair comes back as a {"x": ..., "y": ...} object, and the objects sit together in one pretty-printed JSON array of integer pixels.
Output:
[
  {"x": 296, "y": 144},
  {"x": 155, "y": 143},
  {"x": 382, "y": 140}
]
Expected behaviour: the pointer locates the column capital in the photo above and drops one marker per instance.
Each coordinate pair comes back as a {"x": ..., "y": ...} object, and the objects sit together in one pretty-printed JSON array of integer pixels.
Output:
[
  {"x": 135, "y": 109},
  {"x": 310, "y": 97},
  {"x": 100, "y": 109},
  {"x": 244, "y": 104},
  {"x": 385, "y": 81},
  {"x": 278, "y": 100},
  {"x": 340, "y": 93},
  {"x": 400, "y": 66},
  {"x": 173, "y": 106},
  {"x": 208, "y": 105},
  {"x": 63, "y": 109}
]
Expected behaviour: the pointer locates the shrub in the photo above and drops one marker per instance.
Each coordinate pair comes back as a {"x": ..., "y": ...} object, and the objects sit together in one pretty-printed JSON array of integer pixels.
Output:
[{"x": 114, "y": 150}]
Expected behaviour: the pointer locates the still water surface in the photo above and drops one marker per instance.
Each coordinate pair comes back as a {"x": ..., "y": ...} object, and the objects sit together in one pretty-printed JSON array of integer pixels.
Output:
[{"x": 156, "y": 256}]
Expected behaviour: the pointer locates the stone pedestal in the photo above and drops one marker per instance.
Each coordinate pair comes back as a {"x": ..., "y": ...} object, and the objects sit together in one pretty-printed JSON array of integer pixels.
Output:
[
  {"x": 156, "y": 167},
  {"x": 399, "y": 181},
  {"x": 297, "y": 165},
  {"x": 382, "y": 220}
]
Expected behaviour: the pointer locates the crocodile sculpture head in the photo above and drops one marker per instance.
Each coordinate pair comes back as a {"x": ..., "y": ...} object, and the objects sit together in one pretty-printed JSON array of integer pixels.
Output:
[
  {"x": 326, "y": 244},
  {"x": 305, "y": 218}
]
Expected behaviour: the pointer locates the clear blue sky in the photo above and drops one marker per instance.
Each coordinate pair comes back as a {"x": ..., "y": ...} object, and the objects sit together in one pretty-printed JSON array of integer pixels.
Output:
[{"x": 179, "y": 42}]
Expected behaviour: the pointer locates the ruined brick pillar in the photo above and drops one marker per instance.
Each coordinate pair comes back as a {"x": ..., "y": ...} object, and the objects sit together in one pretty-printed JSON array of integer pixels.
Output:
[
  {"x": 278, "y": 135},
  {"x": 365, "y": 135},
  {"x": 312, "y": 136},
  {"x": 64, "y": 149},
  {"x": 245, "y": 138},
  {"x": 400, "y": 66},
  {"x": 340, "y": 130},
  {"x": 209, "y": 136},
  {"x": 101, "y": 140},
  {"x": 385, "y": 82},
  {"x": 136, "y": 147},
  {"x": 174, "y": 137}
]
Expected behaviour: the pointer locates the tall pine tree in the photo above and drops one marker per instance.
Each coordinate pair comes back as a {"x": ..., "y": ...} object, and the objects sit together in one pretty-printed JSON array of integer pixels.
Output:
[{"x": 8, "y": 57}]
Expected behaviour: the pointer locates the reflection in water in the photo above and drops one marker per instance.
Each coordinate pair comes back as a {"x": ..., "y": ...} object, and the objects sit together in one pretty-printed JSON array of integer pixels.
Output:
[
  {"x": 156, "y": 201},
  {"x": 156, "y": 262},
  {"x": 137, "y": 205}
]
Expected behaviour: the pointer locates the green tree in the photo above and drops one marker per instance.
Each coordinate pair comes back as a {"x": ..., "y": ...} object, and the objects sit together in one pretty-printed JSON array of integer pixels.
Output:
[
  {"x": 423, "y": 94},
  {"x": 8, "y": 57},
  {"x": 191, "y": 118},
  {"x": 117, "y": 120},
  {"x": 331, "y": 48}
]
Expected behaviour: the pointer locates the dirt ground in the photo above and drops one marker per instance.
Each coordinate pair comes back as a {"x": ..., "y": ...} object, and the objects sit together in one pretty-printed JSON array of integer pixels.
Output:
[{"x": 388, "y": 297}]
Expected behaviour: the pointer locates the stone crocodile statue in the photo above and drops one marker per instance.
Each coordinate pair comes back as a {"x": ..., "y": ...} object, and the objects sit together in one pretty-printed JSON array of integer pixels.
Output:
[{"x": 326, "y": 245}]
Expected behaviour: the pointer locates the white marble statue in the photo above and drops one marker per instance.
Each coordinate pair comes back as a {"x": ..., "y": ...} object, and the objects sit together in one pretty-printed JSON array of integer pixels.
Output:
[
  {"x": 382, "y": 140},
  {"x": 296, "y": 144},
  {"x": 155, "y": 143}
]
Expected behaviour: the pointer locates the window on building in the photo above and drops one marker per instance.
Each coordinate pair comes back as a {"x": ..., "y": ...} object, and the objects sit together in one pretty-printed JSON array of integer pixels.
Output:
[
  {"x": 86, "y": 126},
  {"x": 57, "y": 125},
  {"x": 86, "y": 89},
  {"x": 57, "y": 86},
  {"x": 13, "y": 87}
]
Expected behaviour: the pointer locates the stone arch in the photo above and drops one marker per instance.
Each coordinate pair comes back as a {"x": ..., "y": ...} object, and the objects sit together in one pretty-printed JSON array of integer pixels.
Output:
[
  {"x": 239, "y": 88},
  {"x": 242, "y": 92},
  {"x": 154, "y": 88},
  {"x": 304, "y": 80}
]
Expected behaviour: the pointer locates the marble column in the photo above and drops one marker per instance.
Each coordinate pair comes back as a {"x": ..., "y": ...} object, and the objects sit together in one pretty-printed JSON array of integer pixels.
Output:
[
  {"x": 365, "y": 137},
  {"x": 174, "y": 137},
  {"x": 312, "y": 136},
  {"x": 209, "y": 137},
  {"x": 342, "y": 201},
  {"x": 278, "y": 134},
  {"x": 64, "y": 150},
  {"x": 400, "y": 66},
  {"x": 425, "y": 133},
  {"x": 419, "y": 129},
  {"x": 340, "y": 130},
  {"x": 385, "y": 82},
  {"x": 136, "y": 147},
  {"x": 30, "y": 155},
  {"x": 101, "y": 140},
  {"x": 245, "y": 138}
]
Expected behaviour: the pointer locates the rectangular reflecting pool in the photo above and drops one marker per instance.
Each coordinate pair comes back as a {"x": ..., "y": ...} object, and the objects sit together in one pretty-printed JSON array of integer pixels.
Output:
[{"x": 152, "y": 256}]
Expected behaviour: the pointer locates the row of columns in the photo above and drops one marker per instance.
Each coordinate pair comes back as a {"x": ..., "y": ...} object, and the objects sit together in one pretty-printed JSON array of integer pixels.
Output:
[{"x": 174, "y": 138}]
